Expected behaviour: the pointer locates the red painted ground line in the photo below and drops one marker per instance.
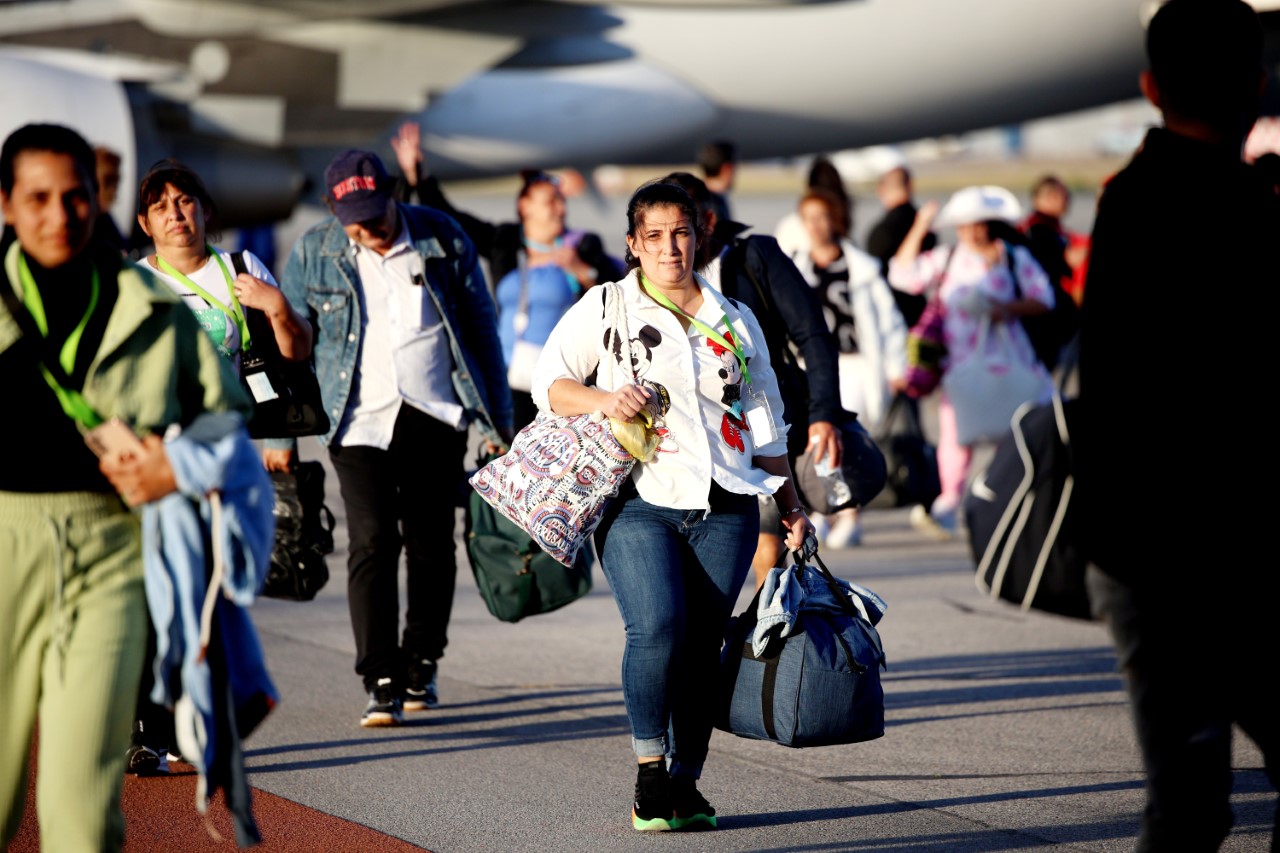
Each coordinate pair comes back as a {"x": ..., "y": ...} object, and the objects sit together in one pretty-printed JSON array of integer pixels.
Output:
[{"x": 160, "y": 816}]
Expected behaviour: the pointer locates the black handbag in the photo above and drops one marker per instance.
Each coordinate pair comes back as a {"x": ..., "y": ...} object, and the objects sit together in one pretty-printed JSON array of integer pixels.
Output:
[
  {"x": 912, "y": 476},
  {"x": 304, "y": 534},
  {"x": 515, "y": 577},
  {"x": 863, "y": 469},
  {"x": 297, "y": 408},
  {"x": 819, "y": 685},
  {"x": 1022, "y": 518}
]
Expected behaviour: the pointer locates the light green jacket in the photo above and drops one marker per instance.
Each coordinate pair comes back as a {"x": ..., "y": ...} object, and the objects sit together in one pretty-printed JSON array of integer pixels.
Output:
[{"x": 155, "y": 365}]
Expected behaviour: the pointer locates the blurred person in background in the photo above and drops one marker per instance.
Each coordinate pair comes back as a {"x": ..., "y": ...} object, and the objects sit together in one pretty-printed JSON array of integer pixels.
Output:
[
  {"x": 718, "y": 161},
  {"x": 790, "y": 232},
  {"x": 894, "y": 189},
  {"x": 108, "y": 172},
  {"x": 1060, "y": 251},
  {"x": 974, "y": 282},
  {"x": 539, "y": 266},
  {"x": 1181, "y": 232},
  {"x": 859, "y": 310}
]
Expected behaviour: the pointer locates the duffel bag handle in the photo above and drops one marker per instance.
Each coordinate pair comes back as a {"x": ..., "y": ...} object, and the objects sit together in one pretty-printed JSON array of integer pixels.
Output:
[{"x": 810, "y": 552}]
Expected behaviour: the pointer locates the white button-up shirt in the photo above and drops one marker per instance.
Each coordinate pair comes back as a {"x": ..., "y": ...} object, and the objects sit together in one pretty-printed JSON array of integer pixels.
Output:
[
  {"x": 703, "y": 439},
  {"x": 404, "y": 352}
]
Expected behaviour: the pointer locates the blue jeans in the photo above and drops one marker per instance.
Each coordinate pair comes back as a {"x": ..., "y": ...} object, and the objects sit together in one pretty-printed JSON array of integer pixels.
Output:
[{"x": 675, "y": 575}]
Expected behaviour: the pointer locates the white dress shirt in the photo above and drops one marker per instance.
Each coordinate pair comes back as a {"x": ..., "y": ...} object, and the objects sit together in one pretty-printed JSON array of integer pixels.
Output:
[
  {"x": 702, "y": 439},
  {"x": 404, "y": 350}
]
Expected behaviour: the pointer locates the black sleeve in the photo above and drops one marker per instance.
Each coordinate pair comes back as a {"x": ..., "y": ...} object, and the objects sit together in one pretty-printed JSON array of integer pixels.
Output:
[
  {"x": 802, "y": 318},
  {"x": 428, "y": 193},
  {"x": 591, "y": 252},
  {"x": 880, "y": 245}
]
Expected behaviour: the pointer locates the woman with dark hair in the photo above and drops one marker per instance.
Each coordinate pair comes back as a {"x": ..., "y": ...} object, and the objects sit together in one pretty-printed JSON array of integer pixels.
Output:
[
  {"x": 537, "y": 265},
  {"x": 858, "y": 307},
  {"x": 677, "y": 542},
  {"x": 823, "y": 175},
  {"x": 174, "y": 210}
]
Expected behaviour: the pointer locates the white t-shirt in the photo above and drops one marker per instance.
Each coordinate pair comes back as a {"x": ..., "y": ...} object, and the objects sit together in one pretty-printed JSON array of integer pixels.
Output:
[{"x": 220, "y": 328}]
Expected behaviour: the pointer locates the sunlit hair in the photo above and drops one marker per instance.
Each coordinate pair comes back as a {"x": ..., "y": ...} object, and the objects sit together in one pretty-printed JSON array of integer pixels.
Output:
[
  {"x": 53, "y": 138},
  {"x": 714, "y": 156},
  {"x": 834, "y": 205},
  {"x": 1050, "y": 182},
  {"x": 182, "y": 177},
  {"x": 531, "y": 178},
  {"x": 659, "y": 193}
]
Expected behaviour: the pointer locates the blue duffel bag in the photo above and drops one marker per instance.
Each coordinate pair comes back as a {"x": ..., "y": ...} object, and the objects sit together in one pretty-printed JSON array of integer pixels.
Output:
[{"x": 803, "y": 667}]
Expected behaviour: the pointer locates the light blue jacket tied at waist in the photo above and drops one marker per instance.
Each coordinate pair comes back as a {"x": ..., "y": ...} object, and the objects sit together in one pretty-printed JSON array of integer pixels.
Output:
[
  {"x": 788, "y": 590},
  {"x": 209, "y": 666}
]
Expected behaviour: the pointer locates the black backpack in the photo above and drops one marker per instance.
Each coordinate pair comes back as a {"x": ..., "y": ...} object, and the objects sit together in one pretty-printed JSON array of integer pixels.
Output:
[
  {"x": 1052, "y": 331},
  {"x": 304, "y": 534}
]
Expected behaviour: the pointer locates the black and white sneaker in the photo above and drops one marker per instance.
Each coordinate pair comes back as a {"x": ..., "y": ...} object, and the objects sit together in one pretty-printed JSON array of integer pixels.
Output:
[
  {"x": 144, "y": 761},
  {"x": 385, "y": 707},
  {"x": 421, "y": 693}
]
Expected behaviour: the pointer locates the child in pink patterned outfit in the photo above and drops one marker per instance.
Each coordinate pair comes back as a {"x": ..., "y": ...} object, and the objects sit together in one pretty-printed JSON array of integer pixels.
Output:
[{"x": 974, "y": 282}]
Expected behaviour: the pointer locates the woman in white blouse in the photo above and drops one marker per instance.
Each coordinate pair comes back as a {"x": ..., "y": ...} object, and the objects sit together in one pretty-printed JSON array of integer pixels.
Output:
[{"x": 677, "y": 542}]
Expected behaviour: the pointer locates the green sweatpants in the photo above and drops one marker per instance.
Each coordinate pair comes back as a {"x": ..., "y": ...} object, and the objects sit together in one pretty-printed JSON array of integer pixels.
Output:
[{"x": 73, "y": 623}]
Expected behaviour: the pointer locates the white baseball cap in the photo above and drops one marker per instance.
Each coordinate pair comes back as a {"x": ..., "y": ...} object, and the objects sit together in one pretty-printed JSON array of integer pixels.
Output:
[{"x": 979, "y": 204}]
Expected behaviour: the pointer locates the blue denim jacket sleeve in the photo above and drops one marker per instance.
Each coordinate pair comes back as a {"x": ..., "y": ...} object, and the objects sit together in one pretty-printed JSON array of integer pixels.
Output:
[
  {"x": 478, "y": 332},
  {"x": 321, "y": 280}
]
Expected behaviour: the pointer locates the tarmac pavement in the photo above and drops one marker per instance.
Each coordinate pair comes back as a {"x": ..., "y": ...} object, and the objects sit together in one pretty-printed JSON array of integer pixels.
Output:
[{"x": 1005, "y": 730}]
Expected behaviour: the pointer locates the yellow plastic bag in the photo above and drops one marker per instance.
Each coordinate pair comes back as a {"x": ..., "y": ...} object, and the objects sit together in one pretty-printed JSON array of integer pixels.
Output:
[{"x": 637, "y": 436}]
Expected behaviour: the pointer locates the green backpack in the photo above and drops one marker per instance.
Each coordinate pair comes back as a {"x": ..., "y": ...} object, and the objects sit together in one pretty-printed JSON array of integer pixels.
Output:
[{"x": 515, "y": 577}]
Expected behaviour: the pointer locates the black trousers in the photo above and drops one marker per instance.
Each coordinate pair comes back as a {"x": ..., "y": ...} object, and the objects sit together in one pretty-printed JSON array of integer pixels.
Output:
[
  {"x": 401, "y": 498},
  {"x": 1196, "y": 660}
]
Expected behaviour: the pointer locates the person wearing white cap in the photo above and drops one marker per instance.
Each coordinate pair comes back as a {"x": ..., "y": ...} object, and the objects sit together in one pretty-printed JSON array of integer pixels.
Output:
[{"x": 974, "y": 279}]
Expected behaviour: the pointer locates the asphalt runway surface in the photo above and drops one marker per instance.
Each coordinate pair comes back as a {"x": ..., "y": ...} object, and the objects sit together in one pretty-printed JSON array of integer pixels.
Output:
[{"x": 1005, "y": 731}]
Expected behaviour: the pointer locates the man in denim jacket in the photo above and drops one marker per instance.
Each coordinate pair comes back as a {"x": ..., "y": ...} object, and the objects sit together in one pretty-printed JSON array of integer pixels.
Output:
[{"x": 407, "y": 355}]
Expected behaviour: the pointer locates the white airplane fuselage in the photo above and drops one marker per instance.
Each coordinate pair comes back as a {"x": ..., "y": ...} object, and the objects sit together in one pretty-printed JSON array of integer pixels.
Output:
[{"x": 516, "y": 85}]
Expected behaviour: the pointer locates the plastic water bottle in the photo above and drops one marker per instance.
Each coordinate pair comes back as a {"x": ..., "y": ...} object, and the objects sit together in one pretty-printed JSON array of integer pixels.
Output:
[{"x": 838, "y": 492}]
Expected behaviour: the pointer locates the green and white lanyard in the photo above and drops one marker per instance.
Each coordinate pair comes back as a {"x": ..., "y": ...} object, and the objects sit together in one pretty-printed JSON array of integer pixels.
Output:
[
  {"x": 711, "y": 333},
  {"x": 234, "y": 312},
  {"x": 72, "y": 401}
]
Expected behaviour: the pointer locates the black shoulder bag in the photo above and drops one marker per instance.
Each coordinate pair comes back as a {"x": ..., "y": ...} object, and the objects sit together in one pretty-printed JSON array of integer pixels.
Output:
[
  {"x": 304, "y": 534},
  {"x": 1051, "y": 331},
  {"x": 864, "y": 465},
  {"x": 286, "y": 394}
]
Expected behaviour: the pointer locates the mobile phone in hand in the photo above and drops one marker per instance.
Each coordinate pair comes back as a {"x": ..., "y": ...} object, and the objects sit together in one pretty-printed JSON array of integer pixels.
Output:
[{"x": 113, "y": 438}]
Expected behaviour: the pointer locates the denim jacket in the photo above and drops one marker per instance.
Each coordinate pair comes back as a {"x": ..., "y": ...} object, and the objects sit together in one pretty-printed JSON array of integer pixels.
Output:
[{"x": 321, "y": 279}]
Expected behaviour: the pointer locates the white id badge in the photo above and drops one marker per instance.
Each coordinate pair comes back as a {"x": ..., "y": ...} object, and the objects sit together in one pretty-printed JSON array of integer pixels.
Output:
[
  {"x": 260, "y": 387},
  {"x": 759, "y": 418}
]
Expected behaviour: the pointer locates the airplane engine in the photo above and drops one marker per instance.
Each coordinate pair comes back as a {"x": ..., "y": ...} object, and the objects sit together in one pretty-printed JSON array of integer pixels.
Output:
[
  {"x": 35, "y": 92},
  {"x": 251, "y": 184}
]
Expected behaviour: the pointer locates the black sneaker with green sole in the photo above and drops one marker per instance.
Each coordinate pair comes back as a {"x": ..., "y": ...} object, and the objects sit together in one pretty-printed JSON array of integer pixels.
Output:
[
  {"x": 652, "y": 811},
  {"x": 692, "y": 811}
]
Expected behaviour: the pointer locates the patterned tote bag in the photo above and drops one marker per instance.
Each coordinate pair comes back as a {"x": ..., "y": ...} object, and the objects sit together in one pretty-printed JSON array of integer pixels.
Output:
[{"x": 561, "y": 472}]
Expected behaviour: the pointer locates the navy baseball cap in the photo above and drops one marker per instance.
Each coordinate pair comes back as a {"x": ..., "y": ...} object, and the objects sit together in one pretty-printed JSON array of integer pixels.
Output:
[{"x": 358, "y": 186}]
